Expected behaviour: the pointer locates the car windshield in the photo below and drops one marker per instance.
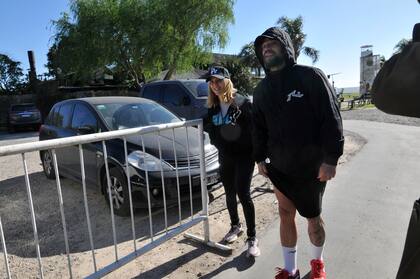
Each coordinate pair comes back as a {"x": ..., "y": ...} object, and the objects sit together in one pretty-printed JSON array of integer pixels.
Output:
[
  {"x": 122, "y": 116},
  {"x": 197, "y": 87},
  {"x": 19, "y": 108}
]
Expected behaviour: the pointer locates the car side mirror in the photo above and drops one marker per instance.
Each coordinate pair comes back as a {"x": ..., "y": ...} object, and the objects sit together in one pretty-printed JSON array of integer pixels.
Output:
[{"x": 84, "y": 130}]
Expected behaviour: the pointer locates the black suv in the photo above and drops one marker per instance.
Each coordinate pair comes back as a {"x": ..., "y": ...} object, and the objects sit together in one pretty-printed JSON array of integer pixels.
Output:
[
  {"x": 20, "y": 115},
  {"x": 185, "y": 98}
]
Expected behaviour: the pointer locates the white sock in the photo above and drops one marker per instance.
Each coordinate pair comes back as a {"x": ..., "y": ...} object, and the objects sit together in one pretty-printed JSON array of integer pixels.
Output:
[
  {"x": 290, "y": 259},
  {"x": 317, "y": 252}
]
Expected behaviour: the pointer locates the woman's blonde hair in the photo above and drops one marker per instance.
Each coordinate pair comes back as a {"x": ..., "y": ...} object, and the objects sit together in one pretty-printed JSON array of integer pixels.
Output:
[{"x": 228, "y": 94}]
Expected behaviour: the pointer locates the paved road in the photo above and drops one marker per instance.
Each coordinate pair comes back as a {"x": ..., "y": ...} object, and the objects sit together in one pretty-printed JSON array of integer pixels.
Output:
[
  {"x": 19, "y": 137},
  {"x": 366, "y": 210}
]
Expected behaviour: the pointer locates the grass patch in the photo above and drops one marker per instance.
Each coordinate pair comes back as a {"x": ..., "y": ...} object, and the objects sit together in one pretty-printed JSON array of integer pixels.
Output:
[
  {"x": 367, "y": 106},
  {"x": 349, "y": 96}
]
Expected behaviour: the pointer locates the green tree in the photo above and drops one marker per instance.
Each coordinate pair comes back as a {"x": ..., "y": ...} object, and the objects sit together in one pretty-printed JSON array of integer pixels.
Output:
[
  {"x": 99, "y": 34},
  {"x": 137, "y": 38},
  {"x": 191, "y": 30},
  {"x": 382, "y": 60},
  {"x": 240, "y": 75},
  {"x": 401, "y": 45},
  {"x": 294, "y": 27},
  {"x": 10, "y": 74},
  {"x": 249, "y": 58}
]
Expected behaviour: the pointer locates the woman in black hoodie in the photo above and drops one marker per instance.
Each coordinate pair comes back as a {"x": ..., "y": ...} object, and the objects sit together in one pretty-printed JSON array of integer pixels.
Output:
[{"x": 229, "y": 125}]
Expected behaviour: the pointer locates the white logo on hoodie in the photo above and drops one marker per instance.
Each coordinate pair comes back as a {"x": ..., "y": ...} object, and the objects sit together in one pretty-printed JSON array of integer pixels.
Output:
[{"x": 294, "y": 93}]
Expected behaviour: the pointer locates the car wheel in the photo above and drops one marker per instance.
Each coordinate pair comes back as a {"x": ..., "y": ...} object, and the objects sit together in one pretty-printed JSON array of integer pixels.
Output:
[
  {"x": 119, "y": 192},
  {"x": 48, "y": 165}
]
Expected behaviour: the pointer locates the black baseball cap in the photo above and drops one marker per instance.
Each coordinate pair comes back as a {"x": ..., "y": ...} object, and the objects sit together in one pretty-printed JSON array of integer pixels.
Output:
[{"x": 217, "y": 72}]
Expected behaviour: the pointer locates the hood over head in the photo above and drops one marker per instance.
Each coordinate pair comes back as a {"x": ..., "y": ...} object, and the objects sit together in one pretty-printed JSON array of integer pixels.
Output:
[
  {"x": 416, "y": 32},
  {"x": 275, "y": 33}
]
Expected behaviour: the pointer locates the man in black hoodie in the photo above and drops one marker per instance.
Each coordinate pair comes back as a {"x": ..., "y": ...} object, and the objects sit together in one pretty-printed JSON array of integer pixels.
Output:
[{"x": 298, "y": 139}]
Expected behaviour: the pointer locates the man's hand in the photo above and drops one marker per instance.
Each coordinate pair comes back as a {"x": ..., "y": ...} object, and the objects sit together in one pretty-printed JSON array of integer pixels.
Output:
[
  {"x": 326, "y": 172},
  {"x": 262, "y": 169}
]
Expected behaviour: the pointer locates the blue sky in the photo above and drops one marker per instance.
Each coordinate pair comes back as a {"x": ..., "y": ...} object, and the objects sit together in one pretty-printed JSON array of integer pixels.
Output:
[{"x": 336, "y": 28}]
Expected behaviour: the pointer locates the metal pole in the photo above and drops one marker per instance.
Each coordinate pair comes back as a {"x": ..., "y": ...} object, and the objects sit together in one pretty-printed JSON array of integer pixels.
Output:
[
  {"x": 3, "y": 242},
  {"x": 82, "y": 169},
  {"x": 189, "y": 171},
  {"x": 204, "y": 194},
  {"x": 31, "y": 207},
  {"x": 149, "y": 206},
  {"x": 177, "y": 177},
  {"x": 63, "y": 216},
  {"x": 163, "y": 184},
  {"x": 111, "y": 205},
  {"x": 127, "y": 173},
  {"x": 205, "y": 211}
]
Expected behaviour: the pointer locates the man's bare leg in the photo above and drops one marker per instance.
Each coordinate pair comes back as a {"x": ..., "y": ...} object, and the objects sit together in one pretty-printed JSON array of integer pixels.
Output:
[
  {"x": 316, "y": 231},
  {"x": 317, "y": 237},
  {"x": 288, "y": 231}
]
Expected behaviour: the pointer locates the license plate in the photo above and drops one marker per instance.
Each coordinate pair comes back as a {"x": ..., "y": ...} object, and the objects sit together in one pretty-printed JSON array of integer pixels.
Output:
[{"x": 26, "y": 115}]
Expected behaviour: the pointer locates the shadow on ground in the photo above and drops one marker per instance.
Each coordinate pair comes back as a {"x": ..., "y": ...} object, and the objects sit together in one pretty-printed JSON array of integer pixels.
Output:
[{"x": 240, "y": 262}]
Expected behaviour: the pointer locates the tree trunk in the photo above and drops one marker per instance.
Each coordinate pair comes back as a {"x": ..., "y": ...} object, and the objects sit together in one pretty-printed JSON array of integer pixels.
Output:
[
  {"x": 172, "y": 67},
  {"x": 170, "y": 72}
]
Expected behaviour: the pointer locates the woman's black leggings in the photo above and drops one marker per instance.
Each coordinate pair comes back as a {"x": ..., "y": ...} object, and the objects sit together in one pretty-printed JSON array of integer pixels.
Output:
[{"x": 236, "y": 175}]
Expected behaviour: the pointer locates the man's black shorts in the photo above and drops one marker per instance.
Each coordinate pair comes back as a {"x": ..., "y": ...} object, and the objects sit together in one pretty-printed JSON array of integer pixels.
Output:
[{"x": 305, "y": 193}]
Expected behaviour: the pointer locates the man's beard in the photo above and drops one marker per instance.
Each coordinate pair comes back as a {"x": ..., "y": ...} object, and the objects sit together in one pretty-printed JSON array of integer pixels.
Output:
[{"x": 276, "y": 61}]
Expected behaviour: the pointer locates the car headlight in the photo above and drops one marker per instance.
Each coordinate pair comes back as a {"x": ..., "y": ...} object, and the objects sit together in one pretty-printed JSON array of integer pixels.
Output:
[
  {"x": 209, "y": 148},
  {"x": 147, "y": 162}
]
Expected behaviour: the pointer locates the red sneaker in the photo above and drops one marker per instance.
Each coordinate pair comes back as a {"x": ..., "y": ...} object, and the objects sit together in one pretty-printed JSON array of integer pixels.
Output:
[
  {"x": 317, "y": 270},
  {"x": 284, "y": 274}
]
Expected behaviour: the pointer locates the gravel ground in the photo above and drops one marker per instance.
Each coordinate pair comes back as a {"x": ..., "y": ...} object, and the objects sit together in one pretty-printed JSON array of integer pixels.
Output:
[{"x": 373, "y": 114}]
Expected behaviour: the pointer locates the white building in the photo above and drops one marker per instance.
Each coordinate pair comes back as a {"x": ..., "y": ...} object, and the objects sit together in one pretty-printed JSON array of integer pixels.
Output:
[{"x": 370, "y": 65}]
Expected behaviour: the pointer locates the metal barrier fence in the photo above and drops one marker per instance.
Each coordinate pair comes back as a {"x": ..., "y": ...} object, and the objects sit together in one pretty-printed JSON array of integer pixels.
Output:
[{"x": 79, "y": 141}]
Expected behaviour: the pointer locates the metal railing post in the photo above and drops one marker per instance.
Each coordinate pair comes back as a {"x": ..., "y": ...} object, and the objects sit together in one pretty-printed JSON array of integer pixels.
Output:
[
  {"x": 189, "y": 171},
  {"x": 3, "y": 242},
  {"x": 204, "y": 198},
  {"x": 177, "y": 177},
  {"x": 149, "y": 205},
  {"x": 63, "y": 216},
  {"x": 82, "y": 169},
  {"x": 111, "y": 205},
  {"x": 163, "y": 185},
  {"x": 127, "y": 173},
  {"x": 31, "y": 208},
  {"x": 204, "y": 194}
]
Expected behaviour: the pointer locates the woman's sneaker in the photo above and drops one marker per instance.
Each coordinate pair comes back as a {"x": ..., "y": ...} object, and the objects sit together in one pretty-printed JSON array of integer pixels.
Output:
[
  {"x": 234, "y": 232},
  {"x": 253, "y": 250}
]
